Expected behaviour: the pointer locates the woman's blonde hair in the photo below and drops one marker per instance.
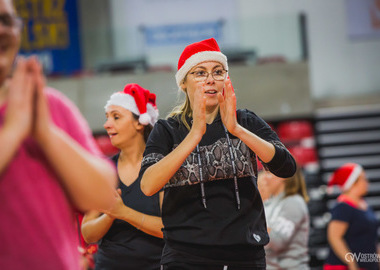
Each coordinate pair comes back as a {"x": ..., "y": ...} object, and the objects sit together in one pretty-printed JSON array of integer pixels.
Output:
[
  {"x": 296, "y": 185},
  {"x": 183, "y": 110}
]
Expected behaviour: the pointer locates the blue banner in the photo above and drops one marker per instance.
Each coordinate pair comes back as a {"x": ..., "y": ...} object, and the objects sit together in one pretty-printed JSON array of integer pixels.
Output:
[
  {"x": 51, "y": 32},
  {"x": 181, "y": 33}
]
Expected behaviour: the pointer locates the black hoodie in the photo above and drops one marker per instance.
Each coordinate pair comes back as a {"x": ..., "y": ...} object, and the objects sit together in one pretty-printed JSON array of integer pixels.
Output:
[{"x": 220, "y": 233}]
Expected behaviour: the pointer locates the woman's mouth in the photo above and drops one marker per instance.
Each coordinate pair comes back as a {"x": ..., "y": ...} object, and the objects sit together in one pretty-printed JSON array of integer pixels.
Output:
[
  {"x": 210, "y": 92},
  {"x": 112, "y": 135}
]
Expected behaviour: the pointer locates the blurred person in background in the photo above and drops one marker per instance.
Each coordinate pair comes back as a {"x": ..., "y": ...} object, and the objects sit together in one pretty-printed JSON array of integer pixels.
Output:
[
  {"x": 49, "y": 163},
  {"x": 352, "y": 231},
  {"x": 130, "y": 232},
  {"x": 204, "y": 156},
  {"x": 285, "y": 204}
]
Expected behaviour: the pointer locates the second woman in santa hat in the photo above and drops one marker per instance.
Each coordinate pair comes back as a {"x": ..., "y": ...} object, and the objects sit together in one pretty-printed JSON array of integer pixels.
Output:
[{"x": 130, "y": 232}]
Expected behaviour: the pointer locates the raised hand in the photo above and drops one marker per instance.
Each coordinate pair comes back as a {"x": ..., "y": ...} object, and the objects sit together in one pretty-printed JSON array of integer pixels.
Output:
[
  {"x": 19, "y": 114},
  {"x": 42, "y": 122},
  {"x": 199, "y": 110},
  {"x": 116, "y": 210},
  {"x": 227, "y": 105}
]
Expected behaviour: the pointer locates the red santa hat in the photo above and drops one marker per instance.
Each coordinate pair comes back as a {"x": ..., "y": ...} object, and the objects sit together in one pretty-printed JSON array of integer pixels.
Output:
[
  {"x": 138, "y": 100},
  {"x": 193, "y": 54},
  {"x": 345, "y": 176}
]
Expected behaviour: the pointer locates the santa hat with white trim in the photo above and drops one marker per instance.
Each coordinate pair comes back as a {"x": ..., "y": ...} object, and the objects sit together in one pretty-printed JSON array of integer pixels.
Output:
[
  {"x": 345, "y": 176},
  {"x": 193, "y": 54},
  {"x": 138, "y": 100}
]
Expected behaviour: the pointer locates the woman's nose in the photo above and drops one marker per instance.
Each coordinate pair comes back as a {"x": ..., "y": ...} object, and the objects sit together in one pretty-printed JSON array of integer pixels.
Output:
[
  {"x": 210, "y": 79},
  {"x": 107, "y": 124}
]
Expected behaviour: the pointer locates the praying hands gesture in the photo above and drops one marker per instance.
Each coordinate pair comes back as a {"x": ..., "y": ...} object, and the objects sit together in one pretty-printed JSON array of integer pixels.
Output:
[
  {"x": 87, "y": 179},
  {"x": 27, "y": 109}
]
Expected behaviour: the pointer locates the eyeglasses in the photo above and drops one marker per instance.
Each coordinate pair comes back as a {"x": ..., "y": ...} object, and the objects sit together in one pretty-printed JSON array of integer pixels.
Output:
[
  {"x": 202, "y": 75},
  {"x": 10, "y": 21}
]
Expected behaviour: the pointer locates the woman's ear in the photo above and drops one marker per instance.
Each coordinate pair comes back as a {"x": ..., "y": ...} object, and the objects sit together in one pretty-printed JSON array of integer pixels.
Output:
[
  {"x": 139, "y": 126},
  {"x": 183, "y": 86}
]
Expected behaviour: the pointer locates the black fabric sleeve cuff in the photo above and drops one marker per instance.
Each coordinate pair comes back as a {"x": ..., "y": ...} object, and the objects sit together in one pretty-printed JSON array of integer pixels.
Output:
[{"x": 282, "y": 164}]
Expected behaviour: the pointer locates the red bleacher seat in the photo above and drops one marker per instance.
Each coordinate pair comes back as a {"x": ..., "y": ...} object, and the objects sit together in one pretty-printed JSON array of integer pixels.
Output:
[
  {"x": 291, "y": 131},
  {"x": 104, "y": 143},
  {"x": 304, "y": 155}
]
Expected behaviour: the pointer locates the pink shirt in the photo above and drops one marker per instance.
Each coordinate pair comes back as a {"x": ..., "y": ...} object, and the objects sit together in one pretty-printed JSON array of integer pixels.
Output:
[{"x": 37, "y": 225}]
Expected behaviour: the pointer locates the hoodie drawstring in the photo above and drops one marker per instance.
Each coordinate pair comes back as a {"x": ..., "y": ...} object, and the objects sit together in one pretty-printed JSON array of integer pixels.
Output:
[
  {"x": 233, "y": 158},
  {"x": 203, "y": 194},
  {"x": 201, "y": 176}
]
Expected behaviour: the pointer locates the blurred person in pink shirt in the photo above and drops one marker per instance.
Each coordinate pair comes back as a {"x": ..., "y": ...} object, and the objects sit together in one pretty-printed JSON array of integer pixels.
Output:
[{"x": 50, "y": 165}]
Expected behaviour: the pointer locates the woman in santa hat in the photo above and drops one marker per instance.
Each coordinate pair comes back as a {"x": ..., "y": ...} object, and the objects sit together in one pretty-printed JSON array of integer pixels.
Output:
[
  {"x": 130, "y": 232},
  {"x": 204, "y": 156},
  {"x": 352, "y": 231}
]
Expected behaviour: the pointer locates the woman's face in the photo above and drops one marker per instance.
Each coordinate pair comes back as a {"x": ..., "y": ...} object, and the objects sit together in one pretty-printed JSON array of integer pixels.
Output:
[
  {"x": 211, "y": 87},
  {"x": 121, "y": 126},
  {"x": 9, "y": 38},
  {"x": 270, "y": 183},
  {"x": 361, "y": 185}
]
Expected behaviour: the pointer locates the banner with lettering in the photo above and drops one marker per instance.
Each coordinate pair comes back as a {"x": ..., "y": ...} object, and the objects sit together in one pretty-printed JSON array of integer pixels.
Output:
[
  {"x": 51, "y": 31},
  {"x": 158, "y": 30}
]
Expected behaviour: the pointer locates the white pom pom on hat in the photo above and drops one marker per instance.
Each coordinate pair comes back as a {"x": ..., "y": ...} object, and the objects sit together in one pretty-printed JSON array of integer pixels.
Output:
[
  {"x": 144, "y": 119},
  {"x": 138, "y": 100},
  {"x": 195, "y": 53}
]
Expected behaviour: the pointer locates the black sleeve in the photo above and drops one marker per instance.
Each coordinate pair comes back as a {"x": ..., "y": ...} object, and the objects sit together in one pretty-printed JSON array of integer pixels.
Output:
[
  {"x": 283, "y": 164},
  {"x": 159, "y": 144}
]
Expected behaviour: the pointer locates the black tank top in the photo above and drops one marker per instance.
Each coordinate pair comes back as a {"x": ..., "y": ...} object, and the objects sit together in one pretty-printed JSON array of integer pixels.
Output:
[{"x": 124, "y": 246}]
